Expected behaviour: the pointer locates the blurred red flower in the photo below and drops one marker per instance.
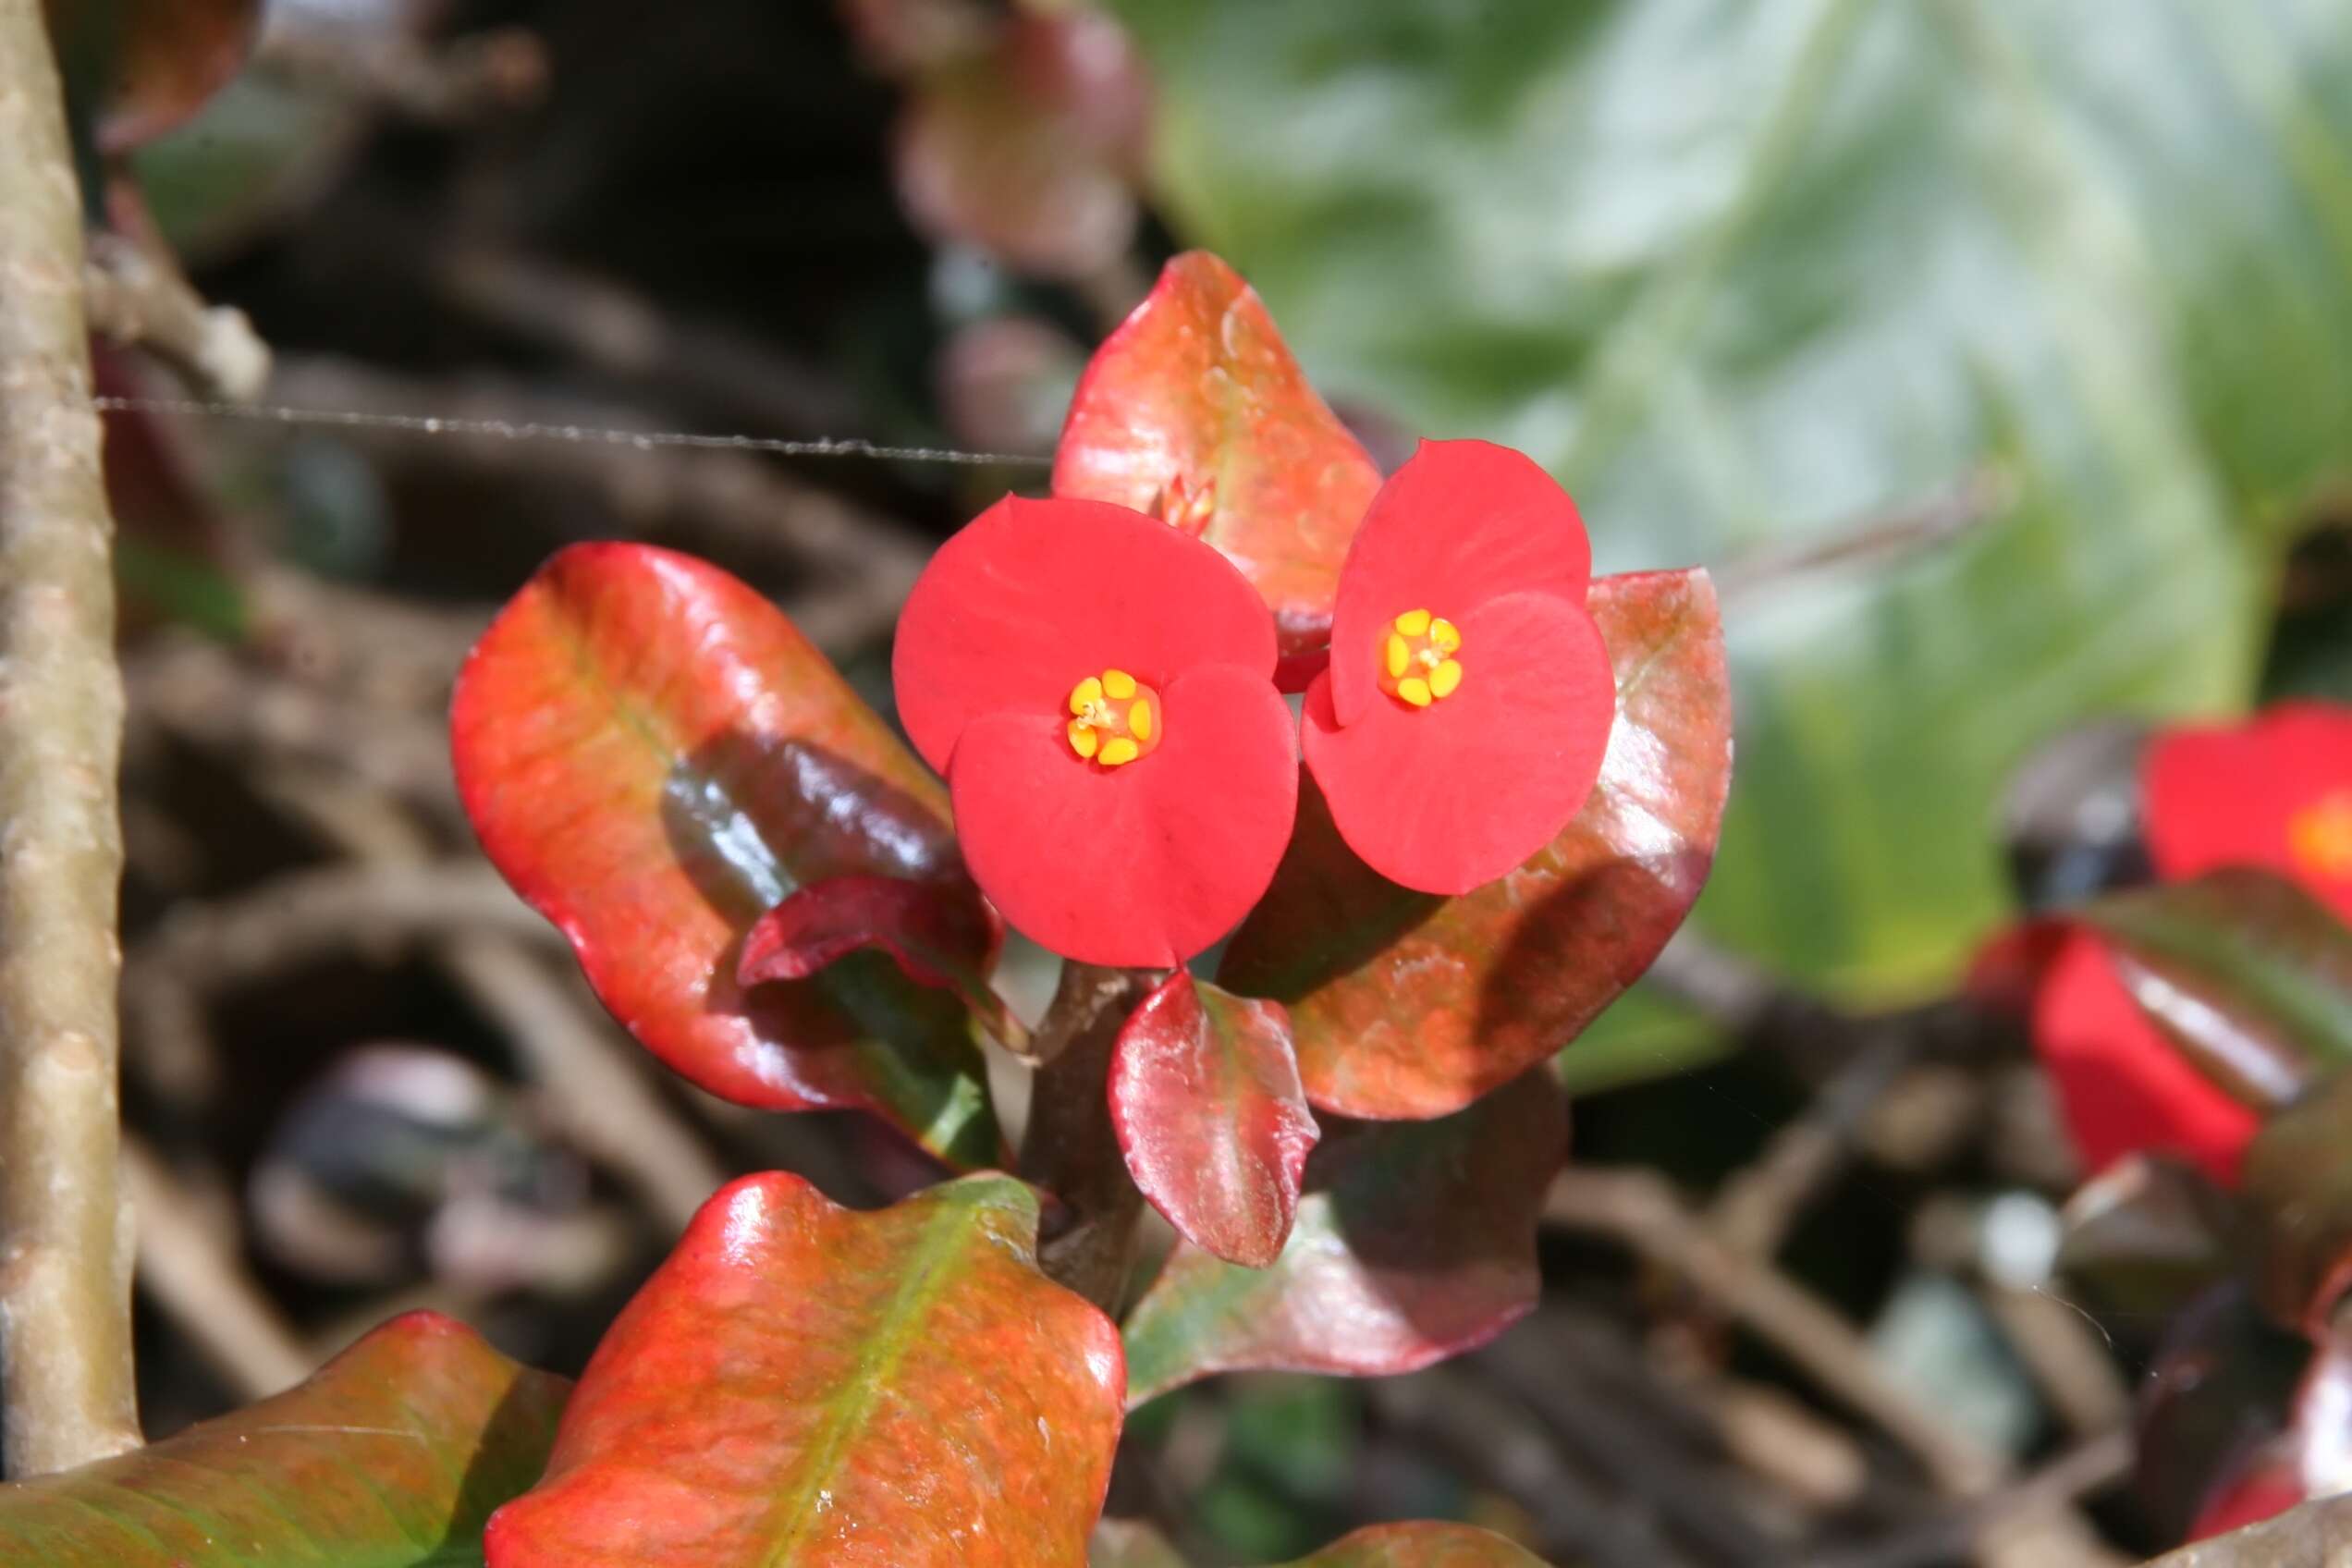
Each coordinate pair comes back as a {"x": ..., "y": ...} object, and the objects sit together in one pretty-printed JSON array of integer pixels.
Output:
[
  {"x": 1468, "y": 703},
  {"x": 2275, "y": 792},
  {"x": 1097, "y": 689}
]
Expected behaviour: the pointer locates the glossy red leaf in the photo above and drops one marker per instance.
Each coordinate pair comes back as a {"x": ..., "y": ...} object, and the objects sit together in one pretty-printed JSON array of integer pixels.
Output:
[
  {"x": 802, "y": 1383},
  {"x": 146, "y": 66},
  {"x": 390, "y": 1456},
  {"x": 1416, "y": 1241},
  {"x": 1422, "y": 1544},
  {"x": 1406, "y": 1004},
  {"x": 654, "y": 758},
  {"x": 1029, "y": 148},
  {"x": 1205, "y": 1100},
  {"x": 941, "y": 935},
  {"x": 1194, "y": 411}
]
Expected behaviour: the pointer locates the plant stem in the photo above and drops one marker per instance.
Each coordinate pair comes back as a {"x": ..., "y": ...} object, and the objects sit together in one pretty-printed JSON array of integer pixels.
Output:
[
  {"x": 65, "y": 1242},
  {"x": 1070, "y": 1149}
]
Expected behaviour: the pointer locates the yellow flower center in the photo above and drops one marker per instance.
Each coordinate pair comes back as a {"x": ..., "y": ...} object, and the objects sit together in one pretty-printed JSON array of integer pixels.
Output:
[
  {"x": 1114, "y": 719},
  {"x": 1417, "y": 666},
  {"x": 2319, "y": 835}
]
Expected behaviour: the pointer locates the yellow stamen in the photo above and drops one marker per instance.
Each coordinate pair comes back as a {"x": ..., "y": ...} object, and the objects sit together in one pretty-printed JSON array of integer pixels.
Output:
[
  {"x": 1086, "y": 694},
  {"x": 1444, "y": 636},
  {"x": 1414, "y": 689},
  {"x": 1139, "y": 719},
  {"x": 1445, "y": 678},
  {"x": 1399, "y": 656},
  {"x": 1113, "y": 720},
  {"x": 1117, "y": 684},
  {"x": 1120, "y": 751},
  {"x": 1415, "y": 661},
  {"x": 1082, "y": 738},
  {"x": 2319, "y": 837},
  {"x": 1413, "y": 623}
]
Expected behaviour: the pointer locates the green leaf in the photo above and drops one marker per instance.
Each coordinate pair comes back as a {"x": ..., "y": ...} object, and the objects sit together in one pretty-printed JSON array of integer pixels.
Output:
[
  {"x": 803, "y": 1384},
  {"x": 139, "y": 67},
  {"x": 656, "y": 757},
  {"x": 1415, "y": 1241},
  {"x": 390, "y": 1456},
  {"x": 1748, "y": 273}
]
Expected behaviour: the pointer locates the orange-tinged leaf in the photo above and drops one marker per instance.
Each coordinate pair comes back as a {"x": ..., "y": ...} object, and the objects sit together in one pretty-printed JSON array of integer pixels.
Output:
[
  {"x": 1194, "y": 411},
  {"x": 1416, "y": 1241},
  {"x": 654, "y": 758},
  {"x": 1123, "y": 1544},
  {"x": 145, "y": 66},
  {"x": 805, "y": 1385},
  {"x": 1406, "y": 1004},
  {"x": 1205, "y": 1095},
  {"x": 390, "y": 1456}
]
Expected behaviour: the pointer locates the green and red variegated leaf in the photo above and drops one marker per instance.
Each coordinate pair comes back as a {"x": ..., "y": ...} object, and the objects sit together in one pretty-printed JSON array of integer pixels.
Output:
[
  {"x": 1194, "y": 411},
  {"x": 141, "y": 68},
  {"x": 654, "y": 758},
  {"x": 1406, "y": 1004},
  {"x": 390, "y": 1456},
  {"x": 1205, "y": 1095},
  {"x": 1414, "y": 1240},
  {"x": 802, "y": 1383},
  {"x": 1422, "y": 1544}
]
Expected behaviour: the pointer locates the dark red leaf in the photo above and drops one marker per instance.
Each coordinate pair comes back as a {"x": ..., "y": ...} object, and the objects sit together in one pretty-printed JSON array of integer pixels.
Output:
[
  {"x": 2307, "y": 1536},
  {"x": 1029, "y": 148},
  {"x": 655, "y": 758},
  {"x": 802, "y": 1383},
  {"x": 2297, "y": 1183},
  {"x": 390, "y": 1456},
  {"x": 2217, "y": 1394},
  {"x": 940, "y": 935},
  {"x": 1409, "y": 1005},
  {"x": 2149, "y": 1233},
  {"x": 147, "y": 66},
  {"x": 1416, "y": 1241},
  {"x": 1205, "y": 1094},
  {"x": 1194, "y": 411},
  {"x": 1119, "y": 1544}
]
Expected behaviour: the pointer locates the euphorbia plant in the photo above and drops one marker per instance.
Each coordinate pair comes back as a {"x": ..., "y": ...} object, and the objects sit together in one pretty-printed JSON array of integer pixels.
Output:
[{"x": 1513, "y": 779}]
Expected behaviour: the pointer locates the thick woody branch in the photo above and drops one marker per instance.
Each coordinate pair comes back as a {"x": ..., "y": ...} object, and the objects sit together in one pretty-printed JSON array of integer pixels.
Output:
[{"x": 65, "y": 1248}]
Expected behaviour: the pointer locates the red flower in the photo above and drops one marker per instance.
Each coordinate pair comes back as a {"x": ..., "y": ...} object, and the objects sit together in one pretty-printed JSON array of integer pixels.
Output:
[
  {"x": 2122, "y": 1086},
  {"x": 2275, "y": 792},
  {"x": 1097, "y": 689},
  {"x": 1467, "y": 706}
]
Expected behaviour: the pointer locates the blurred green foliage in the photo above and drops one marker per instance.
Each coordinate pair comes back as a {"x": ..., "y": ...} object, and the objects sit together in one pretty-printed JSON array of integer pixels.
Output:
[{"x": 1743, "y": 271}]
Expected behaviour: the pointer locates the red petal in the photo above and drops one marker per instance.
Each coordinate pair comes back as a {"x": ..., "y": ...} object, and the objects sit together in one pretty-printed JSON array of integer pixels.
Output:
[
  {"x": 1034, "y": 597},
  {"x": 1143, "y": 865},
  {"x": 1449, "y": 797},
  {"x": 1461, "y": 524},
  {"x": 2226, "y": 795},
  {"x": 2122, "y": 1087}
]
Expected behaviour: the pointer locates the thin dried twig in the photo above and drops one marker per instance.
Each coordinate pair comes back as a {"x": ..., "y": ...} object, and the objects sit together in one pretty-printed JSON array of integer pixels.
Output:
[
  {"x": 65, "y": 1274},
  {"x": 191, "y": 1271},
  {"x": 139, "y": 298}
]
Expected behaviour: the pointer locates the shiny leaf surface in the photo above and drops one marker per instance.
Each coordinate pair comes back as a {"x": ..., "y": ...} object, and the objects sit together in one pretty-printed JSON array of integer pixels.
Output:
[
  {"x": 1885, "y": 251},
  {"x": 2147, "y": 1234},
  {"x": 1415, "y": 1241},
  {"x": 1194, "y": 411},
  {"x": 390, "y": 1456},
  {"x": 1206, "y": 1098},
  {"x": 1409, "y": 1005},
  {"x": 941, "y": 935},
  {"x": 655, "y": 758},
  {"x": 802, "y": 1385},
  {"x": 1027, "y": 148},
  {"x": 1118, "y": 1544},
  {"x": 2250, "y": 976},
  {"x": 139, "y": 67}
]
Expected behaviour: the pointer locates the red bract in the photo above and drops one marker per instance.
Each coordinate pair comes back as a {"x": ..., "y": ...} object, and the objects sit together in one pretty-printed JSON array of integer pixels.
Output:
[
  {"x": 1467, "y": 708},
  {"x": 2275, "y": 792},
  {"x": 1097, "y": 689},
  {"x": 2122, "y": 1086}
]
